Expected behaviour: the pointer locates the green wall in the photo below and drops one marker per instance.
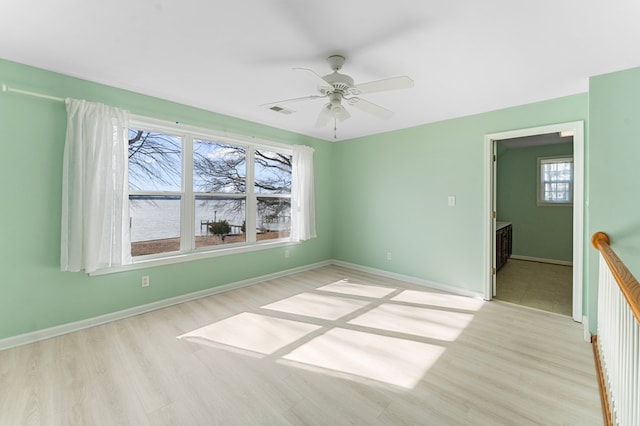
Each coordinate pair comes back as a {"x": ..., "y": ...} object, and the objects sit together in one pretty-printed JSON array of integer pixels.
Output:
[
  {"x": 34, "y": 294},
  {"x": 377, "y": 194},
  {"x": 544, "y": 232},
  {"x": 614, "y": 169},
  {"x": 391, "y": 193}
]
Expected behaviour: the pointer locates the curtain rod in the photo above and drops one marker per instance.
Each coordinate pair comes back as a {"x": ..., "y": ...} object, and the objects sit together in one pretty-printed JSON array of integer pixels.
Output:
[{"x": 6, "y": 88}]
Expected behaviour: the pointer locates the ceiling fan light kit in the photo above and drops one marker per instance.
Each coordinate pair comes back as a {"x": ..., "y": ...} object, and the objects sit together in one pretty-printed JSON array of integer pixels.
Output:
[{"x": 337, "y": 87}]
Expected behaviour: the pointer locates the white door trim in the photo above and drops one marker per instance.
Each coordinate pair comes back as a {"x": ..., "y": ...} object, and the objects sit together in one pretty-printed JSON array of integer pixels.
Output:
[{"x": 578, "y": 204}]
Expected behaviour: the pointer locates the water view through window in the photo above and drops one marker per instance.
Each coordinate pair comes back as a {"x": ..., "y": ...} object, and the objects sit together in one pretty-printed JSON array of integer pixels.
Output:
[{"x": 209, "y": 188}]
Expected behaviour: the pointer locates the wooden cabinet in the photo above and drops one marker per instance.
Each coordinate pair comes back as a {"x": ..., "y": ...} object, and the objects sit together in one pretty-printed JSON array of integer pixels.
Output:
[{"x": 504, "y": 243}]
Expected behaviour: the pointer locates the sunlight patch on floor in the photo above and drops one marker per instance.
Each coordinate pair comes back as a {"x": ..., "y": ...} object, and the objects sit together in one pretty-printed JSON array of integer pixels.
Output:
[
  {"x": 390, "y": 360},
  {"x": 431, "y": 323},
  {"x": 439, "y": 299},
  {"x": 355, "y": 331},
  {"x": 346, "y": 287},
  {"x": 252, "y": 332},
  {"x": 317, "y": 306}
]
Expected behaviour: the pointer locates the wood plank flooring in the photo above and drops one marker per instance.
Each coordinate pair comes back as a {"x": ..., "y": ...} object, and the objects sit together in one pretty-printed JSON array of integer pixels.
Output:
[{"x": 331, "y": 346}]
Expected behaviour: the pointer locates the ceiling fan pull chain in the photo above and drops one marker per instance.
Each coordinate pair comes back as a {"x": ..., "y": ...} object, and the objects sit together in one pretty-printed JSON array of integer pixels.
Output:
[{"x": 335, "y": 128}]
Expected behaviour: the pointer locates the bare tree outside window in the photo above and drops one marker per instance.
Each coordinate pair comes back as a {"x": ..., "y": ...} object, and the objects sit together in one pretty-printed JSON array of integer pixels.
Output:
[
  {"x": 154, "y": 160},
  {"x": 219, "y": 190}
]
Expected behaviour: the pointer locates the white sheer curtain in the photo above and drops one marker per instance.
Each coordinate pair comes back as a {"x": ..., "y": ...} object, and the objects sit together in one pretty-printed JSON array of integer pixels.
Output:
[
  {"x": 95, "y": 231},
  {"x": 303, "y": 214}
]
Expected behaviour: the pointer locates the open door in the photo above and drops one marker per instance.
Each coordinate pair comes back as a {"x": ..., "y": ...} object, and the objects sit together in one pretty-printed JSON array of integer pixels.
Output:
[{"x": 494, "y": 208}]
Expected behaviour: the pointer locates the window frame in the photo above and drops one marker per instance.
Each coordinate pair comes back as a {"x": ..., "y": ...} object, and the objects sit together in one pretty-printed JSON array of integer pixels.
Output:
[
  {"x": 541, "y": 161},
  {"x": 188, "y": 250}
]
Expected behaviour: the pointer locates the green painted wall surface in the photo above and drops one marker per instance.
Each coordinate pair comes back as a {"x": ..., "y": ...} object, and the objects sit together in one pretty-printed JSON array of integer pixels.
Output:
[
  {"x": 391, "y": 193},
  {"x": 34, "y": 294},
  {"x": 377, "y": 194},
  {"x": 544, "y": 232},
  {"x": 614, "y": 169}
]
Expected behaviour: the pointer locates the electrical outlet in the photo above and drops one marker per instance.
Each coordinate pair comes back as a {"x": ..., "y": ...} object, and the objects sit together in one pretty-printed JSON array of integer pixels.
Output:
[
  {"x": 451, "y": 201},
  {"x": 388, "y": 255},
  {"x": 145, "y": 281},
  {"x": 286, "y": 253}
]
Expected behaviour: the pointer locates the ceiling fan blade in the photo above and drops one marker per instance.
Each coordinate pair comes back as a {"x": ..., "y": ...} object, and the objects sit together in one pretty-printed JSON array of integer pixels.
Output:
[
  {"x": 319, "y": 81},
  {"x": 325, "y": 116},
  {"x": 302, "y": 98},
  {"x": 393, "y": 83},
  {"x": 371, "y": 108}
]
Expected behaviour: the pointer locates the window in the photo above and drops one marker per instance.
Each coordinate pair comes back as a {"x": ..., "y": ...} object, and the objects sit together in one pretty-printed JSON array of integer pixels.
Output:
[
  {"x": 555, "y": 181},
  {"x": 155, "y": 191},
  {"x": 191, "y": 192}
]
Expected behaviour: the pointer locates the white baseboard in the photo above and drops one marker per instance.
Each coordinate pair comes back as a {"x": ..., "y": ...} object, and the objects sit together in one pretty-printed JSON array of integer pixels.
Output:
[
  {"x": 410, "y": 279},
  {"x": 541, "y": 260},
  {"x": 47, "y": 333}
]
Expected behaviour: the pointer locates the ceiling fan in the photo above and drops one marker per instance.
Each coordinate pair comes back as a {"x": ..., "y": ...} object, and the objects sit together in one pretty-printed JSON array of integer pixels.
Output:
[{"x": 337, "y": 87}]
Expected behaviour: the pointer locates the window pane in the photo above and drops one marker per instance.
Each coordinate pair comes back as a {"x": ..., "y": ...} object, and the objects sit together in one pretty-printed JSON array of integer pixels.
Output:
[
  {"x": 557, "y": 192},
  {"x": 272, "y": 173},
  {"x": 154, "y": 161},
  {"x": 273, "y": 218},
  {"x": 556, "y": 180},
  {"x": 219, "y": 220},
  {"x": 155, "y": 224},
  {"x": 218, "y": 168}
]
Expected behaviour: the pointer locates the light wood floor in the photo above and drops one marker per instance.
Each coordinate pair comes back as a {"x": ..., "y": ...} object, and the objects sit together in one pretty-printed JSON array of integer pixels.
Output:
[
  {"x": 537, "y": 285},
  {"x": 330, "y": 346}
]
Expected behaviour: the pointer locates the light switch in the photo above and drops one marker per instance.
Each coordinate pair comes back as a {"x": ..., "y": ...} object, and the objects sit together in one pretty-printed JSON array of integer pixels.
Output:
[{"x": 452, "y": 200}]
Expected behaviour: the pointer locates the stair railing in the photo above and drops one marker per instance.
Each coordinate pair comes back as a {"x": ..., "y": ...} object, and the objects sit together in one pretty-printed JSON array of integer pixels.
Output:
[{"x": 617, "y": 343}]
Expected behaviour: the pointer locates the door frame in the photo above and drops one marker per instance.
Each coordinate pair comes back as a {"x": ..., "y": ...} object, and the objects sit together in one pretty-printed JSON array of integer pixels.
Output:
[{"x": 578, "y": 204}]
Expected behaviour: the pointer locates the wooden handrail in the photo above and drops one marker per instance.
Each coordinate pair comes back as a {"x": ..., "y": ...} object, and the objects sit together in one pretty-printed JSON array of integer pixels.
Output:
[{"x": 628, "y": 284}]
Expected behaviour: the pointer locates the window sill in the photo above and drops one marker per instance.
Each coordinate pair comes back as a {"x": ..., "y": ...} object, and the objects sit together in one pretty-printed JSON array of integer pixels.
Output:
[
  {"x": 546, "y": 204},
  {"x": 191, "y": 256}
]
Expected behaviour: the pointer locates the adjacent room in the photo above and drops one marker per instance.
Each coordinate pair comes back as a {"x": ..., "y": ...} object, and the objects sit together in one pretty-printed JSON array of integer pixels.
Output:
[
  {"x": 537, "y": 225},
  {"x": 286, "y": 212}
]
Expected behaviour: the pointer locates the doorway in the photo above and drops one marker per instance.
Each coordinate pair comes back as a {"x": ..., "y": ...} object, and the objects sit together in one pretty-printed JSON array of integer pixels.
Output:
[
  {"x": 538, "y": 223},
  {"x": 491, "y": 214}
]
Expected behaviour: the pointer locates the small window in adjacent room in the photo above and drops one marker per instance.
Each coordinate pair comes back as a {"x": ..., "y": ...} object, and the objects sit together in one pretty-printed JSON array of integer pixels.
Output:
[{"x": 555, "y": 181}]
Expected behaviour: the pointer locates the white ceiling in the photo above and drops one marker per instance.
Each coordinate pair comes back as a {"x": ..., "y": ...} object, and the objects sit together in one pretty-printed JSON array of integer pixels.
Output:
[{"x": 231, "y": 56}]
